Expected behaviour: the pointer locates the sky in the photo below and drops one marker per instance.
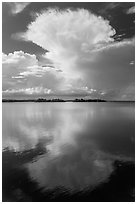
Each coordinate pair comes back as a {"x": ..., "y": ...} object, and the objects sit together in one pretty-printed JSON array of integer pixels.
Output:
[{"x": 68, "y": 50}]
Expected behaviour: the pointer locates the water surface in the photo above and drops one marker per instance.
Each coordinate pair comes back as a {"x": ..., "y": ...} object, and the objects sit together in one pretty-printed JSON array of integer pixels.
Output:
[{"x": 68, "y": 151}]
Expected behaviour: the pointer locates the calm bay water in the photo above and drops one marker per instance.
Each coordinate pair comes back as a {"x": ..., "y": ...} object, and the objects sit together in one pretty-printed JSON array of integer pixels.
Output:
[{"x": 68, "y": 151}]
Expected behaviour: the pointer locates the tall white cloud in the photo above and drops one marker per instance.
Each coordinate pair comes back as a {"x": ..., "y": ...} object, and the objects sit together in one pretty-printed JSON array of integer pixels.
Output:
[
  {"x": 81, "y": 50},
  {"x": 68, "y": 34}
]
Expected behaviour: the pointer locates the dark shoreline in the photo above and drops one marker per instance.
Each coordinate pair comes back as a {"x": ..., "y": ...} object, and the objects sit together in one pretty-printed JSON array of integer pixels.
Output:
[{"x": 60, "y": 100}]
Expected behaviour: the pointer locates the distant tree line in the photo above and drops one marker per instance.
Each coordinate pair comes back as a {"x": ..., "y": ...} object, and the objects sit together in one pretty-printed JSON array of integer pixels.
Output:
[
  {"x": 53, "y": 100},
  {"x": 60, "y": 100}
]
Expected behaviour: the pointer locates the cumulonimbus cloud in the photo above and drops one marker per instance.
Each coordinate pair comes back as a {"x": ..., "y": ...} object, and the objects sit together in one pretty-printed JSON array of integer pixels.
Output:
[
  {"x": 68, "y": 34},
  {"x": 81, "y": 45},
  {"x": 67, "y": 27}
]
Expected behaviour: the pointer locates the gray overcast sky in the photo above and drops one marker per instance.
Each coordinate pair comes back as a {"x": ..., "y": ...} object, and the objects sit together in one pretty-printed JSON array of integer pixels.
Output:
[{"x": 68, "y": 50}]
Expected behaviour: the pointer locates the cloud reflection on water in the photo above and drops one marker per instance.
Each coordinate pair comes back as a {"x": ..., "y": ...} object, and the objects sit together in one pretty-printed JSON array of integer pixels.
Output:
[{"x": 79, "y": 152}]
